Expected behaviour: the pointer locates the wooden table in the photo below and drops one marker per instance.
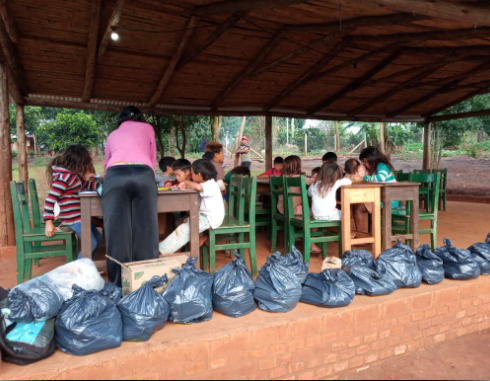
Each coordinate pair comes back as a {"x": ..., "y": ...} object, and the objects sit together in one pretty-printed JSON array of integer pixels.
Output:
[
  {"x": 263, "y": 187},
  {"x": 404, "y": 191},
  {"x": 168, "y": 202},
  {"x": 361, "y": 194}
]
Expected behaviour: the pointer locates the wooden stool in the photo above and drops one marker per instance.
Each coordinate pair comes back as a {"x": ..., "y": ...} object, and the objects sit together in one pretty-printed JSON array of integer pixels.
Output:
[
  {"x": 361, "y": 194},
  {"x": 400, "y": 192}
]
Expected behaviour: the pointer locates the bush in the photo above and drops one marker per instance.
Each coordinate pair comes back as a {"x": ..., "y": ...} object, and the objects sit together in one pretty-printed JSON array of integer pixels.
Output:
[
  {"x": 14, "y": 154},
  {"x": 32, "y": 154}
]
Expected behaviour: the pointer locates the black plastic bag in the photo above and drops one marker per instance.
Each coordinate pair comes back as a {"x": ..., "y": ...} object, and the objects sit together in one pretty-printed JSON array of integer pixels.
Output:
[
  {"x": 430, "y": 265},
  {"x": 294, "y": 260},
  {"x": 372, "y": 281},
  {"x": 277, "y": 289},
  {"x": 88, "y": 323},
  {"x": 25, "y": 343},
  {"x": 112, "y": 292},
  {"x": 330, "y": 288},
  {"x": 233, "y": 289},
  {"x": 458, "y": 264},
  {"x": 481, "y": 251},
  {"x": 401, "y": 266},
  {"x": 189, "y": 295},
  {"x": 357, "y": 258},
  {"x": 144, "y": 311}
]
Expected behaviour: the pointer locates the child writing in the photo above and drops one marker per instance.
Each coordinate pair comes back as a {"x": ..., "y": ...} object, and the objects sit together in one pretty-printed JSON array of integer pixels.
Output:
[
  {"x": 182, "y": 170},
  {"x": 69, "y": 174},
  {"x": 211, "y": 210},
  {"x": 276, "y": 171},
  {"x": 323, "y": 192},
  {"x": 167, "y": 177}
]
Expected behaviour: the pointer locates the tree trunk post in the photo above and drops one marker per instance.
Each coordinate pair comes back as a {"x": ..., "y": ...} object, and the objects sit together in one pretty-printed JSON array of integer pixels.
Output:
[
  {"x": 427, "y": 155},
  {"x": 7, "y": 234},
  {"x": 337, "y": 137},
  {"x": 382, "y": 129},
  {"x": 268, "y": 142},
  {"x": 238, "y": 141},
  {"x": 22, "y": 144},
  {"x": 171, "y": 141},
  {"x": 216, "y": 128}
]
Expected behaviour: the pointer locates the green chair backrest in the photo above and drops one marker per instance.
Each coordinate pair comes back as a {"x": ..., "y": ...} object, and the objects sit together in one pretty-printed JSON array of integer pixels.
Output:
[
  {"x": 433, "y": 182},
  {"x": 236, "y": 206},
  {"x": 249, "y": 186},
  {"x": 21, "y": 210},
  {"x": 292, "y": 185},
  {"x": 442, "y": 172},
  {"x": 34, "y": 197},
  {"x": 277, "y": 189},
  {"x": 401, "y": 177}
]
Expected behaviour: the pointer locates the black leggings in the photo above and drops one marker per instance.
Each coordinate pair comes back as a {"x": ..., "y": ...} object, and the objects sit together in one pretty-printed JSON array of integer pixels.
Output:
[{"x": 129, "y": 202}]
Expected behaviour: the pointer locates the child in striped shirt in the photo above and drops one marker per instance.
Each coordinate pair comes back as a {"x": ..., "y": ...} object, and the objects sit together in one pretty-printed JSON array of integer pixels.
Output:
[{"x": 70, "y": 173}]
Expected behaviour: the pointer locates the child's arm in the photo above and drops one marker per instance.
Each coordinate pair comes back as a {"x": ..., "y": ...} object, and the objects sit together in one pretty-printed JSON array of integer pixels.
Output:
[
  {"x": 57, "y": 189},
  {"x": 191, "y": 186}
]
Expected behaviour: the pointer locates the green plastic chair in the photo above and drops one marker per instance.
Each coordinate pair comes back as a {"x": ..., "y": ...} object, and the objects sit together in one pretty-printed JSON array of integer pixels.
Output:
[
  {"x": 237, "y": 224},
  {"x": 443, "y": 186},
  {"x": 401, "y": 218},
  {"x": 402, "y": 177},
  {"x": 302, "y": 226},
  {"x": 29, "y": 239},
  {"x": 278, "y": 220}
]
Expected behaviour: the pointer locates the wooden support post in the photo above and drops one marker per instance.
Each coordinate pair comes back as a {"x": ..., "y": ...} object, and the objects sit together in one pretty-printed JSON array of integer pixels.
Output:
[
  {"x": 427, "y": 155},
  {"x": 238, "y": 141},
  {"x": 382, "y": 137},
  {"x": 268, "y": 142},
  {"x": 7, "y": 235},
  {"x": 22, "y": 144}
]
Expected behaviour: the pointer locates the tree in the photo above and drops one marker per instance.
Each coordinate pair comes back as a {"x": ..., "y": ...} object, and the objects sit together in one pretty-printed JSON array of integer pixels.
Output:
[{"x": 69, "y": 128}]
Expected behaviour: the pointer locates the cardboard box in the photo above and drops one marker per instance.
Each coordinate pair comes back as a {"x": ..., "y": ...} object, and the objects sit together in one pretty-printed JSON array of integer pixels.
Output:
[{"x": 136, "y": 274}]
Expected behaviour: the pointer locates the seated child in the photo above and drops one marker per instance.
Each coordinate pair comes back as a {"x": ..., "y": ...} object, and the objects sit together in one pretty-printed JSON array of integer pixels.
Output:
[
  {"x": 70, "y": 173},
  {"x": 217, "y": 159},
  {"x": 276, "y": 171},
  {"x": 355, "y": 171},
  {"x": 314, "y": 173},
  {"x": 168, "y": 175},
  {"x": 211, "y": 210},
  {"x": 330, "y": 157},
  {"x": 323, "y": 192},
  {"x": 182, "y": 170}
]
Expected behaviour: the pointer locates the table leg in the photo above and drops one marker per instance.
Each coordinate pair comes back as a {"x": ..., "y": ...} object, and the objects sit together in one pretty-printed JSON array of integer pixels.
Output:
[
  {"x": 387, "y": 228},
  {"x": 86, "y": 218},
  {"x": 414, "y": 218},
  {"x": 377, "y": 223},
  {"x": 346, "y": 221},
  {"x": 194, "y": 225}
]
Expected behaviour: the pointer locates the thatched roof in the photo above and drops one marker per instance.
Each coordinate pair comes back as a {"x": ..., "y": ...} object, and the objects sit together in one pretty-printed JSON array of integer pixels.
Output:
[{"x": 336, "y": 59}]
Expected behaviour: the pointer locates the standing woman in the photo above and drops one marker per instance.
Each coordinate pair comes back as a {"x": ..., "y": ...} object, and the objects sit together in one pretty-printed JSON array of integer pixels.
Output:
[{"x": 129, "y": 199}]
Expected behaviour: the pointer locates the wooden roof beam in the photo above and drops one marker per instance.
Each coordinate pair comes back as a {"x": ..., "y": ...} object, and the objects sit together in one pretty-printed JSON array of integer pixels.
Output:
[
  {"x": 306, "y": 77},
  {"x": 457, "y": 101},
  {"x": 220, "y": 30},
  {"x": 174, "y": 60},
  {"x": 248, "y": 70},
  {"x": 348, "y": 26},
  {"x": 355, "y": 84},
  {"x": 457, "y": 34},
  {"x": 426, "y": 72},
  {"x": 444, "y": 89},
  {"x": 462, "y": 115},
  {"x": 14, "y": 69},
  {"x": 231, "y": 6},
  {"x": 460, "y": 50},
  {"x": 93, "y": 37},
  {"x": 9, "y": 22},
  {"x": 113, "y": 23},
  {"x": 438, "y": 9}
]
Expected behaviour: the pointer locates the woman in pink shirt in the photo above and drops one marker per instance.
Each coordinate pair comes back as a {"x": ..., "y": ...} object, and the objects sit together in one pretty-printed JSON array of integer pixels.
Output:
[{"x": 129, "y": 198}]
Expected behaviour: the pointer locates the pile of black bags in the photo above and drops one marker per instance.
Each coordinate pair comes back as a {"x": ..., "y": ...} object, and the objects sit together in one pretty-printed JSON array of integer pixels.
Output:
[
  {"x": 330, "y": 288},
  {"x": 481, "y": 253},
  {"x": 430, "y": 265},
  {"x": 458, "y": 264}
]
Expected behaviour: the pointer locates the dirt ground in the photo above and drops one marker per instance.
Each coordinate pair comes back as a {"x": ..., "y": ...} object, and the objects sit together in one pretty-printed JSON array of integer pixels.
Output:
[
  {"x": 466, "y": 176},
  {"x": 464, "y": 358}
]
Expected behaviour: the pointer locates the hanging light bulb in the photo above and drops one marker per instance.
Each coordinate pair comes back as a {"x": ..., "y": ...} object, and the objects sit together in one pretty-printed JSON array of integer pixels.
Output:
[{"x": 114, "y": 35}]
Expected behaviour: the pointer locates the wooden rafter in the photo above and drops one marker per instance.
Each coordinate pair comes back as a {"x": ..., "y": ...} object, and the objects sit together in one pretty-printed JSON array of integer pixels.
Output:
[
  {"x": 93, "y": 36},
  {"x": 457, "y": 34},
  {"x": 13, "y": 67},
  {"x": 336, "y": 33},
  {"x": 113, "y": 23},
  {"x": 248, "y": 70},
  {"x": 231, "y": 6},
  {"x": 306, "y": 77},
  {"x": 446, "y": 88},
  {"x": 438, "y": 9},
  {"x": 355, "y": 84},
  {"x": 220, "y": 30},
  {"x": 398, "y": 74},
  {"x": 176, "y": 56},
  {"x": 9, "y": 21},
  {"x": 460, "y": 50},
  {"x": 457, "y": 101},
  {"x": 395, "y": 90},
  {"x": 462, "y": 115}
]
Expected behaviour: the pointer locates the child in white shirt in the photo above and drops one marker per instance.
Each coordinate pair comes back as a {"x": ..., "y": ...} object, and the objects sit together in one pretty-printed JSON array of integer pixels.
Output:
[
  {"x": 211, "y": 210},
  {"x": 323, "y": 192}
]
